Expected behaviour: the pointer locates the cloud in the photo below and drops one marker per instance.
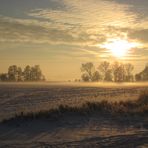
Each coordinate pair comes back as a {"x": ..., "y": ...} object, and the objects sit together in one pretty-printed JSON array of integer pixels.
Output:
[
  {"x": 137, "y": 34},
  {"x": 140, "y": 34},
  {"x": 77, "y": 23},
  {"x": 88, "y": 14},
  {"x": 17, "y": 30}
]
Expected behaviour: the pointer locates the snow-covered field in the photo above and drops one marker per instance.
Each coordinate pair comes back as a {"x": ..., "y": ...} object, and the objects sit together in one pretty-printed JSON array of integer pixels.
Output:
[{"x": 69, "y": 130}]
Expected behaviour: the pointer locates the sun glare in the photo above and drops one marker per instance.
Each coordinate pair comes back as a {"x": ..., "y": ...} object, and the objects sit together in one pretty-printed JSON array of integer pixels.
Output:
[{"x": 119, "y": 47}]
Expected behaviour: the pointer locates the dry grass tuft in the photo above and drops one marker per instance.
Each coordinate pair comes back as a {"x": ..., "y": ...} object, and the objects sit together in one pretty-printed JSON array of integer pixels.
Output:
[{"x": 138, "y": 107}]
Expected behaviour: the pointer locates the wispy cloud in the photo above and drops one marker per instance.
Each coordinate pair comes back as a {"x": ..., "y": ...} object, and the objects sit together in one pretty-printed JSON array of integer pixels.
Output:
[
  {"x": 139, "y": 34},
  {"x": 88, "y": 13},
  {"x": 34, "y": 31},
  {"x": 79, "y": 22}
]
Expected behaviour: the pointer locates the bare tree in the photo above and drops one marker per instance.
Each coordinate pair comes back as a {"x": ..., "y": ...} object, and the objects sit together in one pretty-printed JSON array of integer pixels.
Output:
[
  {"x": 106, "y": 71},
  {"x": 138, "y": 77},
  {"x": 128, "y": 71},
  {"x": 108, "y": 76},
  {"x": 145, "y": 73},
  {"x": 4, "y": 77},
  {"x": 12, "y": 73},
  {"x": 20, "y": 74},
  {"x": 36, "y": 73},
  {"x": 27, "y": 73},
  {"x": 96, "y": 76},
  {"x": 17, "y": 74},
  {"x": 88, "y": 69},
  {"x": 85, "y": 77},
  {"x": 142, "y": 76},
  {"x": 33, "y": 73},
  {"x": 118, "y": 72}
]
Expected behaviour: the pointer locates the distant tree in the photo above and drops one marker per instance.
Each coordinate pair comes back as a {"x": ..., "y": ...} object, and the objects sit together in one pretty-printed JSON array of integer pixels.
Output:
[
  {"x": 88, "y": 69},
  {"x": 128, "y": 72},
  {"x": 115, "y": 66},
  {"x": 20, "y": 74},
  {"x": 17, "y": 74},
  {"x": 33, "y": 73},
  {"x": 85, "y": 77},
  {"x": 108, "y": 76},
  {"x": 36, "y": 73},
  {"x": 27, "y": 73},
  {"x": 12, "y": 73},
  {"x": 106, "y": 71},
  {"x": 77, "y": 80},
  {"x": 138, "y": 77},
  {"x": 3, "y": 77},
  {"x": 96, "y": 76},
  {"x": 145, "y": 73},
  {"x": 121, "y": 73},
  {"x": 142, "y": 76},
  {"x": 118, "y": 72}
]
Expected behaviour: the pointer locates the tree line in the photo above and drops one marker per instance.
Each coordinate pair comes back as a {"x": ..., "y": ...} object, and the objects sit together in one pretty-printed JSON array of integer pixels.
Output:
[
  {"x": 105, "y": 71},
  {"x": 112, "y": 72},
  {"x": 29, "y": 73}
]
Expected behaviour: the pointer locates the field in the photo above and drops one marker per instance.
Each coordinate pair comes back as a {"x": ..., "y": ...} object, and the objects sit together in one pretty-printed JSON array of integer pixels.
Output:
[{"x": 61, "y": 115}]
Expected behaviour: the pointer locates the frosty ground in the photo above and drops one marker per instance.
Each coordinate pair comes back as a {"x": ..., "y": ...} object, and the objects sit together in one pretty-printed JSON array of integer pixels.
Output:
[{"x": 69, "y": 129}]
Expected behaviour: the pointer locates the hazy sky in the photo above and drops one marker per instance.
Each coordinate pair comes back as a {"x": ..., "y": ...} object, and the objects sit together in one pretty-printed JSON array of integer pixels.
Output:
[{"x": 59, "y": 35}]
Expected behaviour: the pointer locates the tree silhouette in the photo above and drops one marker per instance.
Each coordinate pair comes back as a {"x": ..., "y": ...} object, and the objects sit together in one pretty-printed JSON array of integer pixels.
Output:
[
  {"x": 118, "y": 72},
  {"x": 88, "y": 69},
  {"x": 128, "y": 72},
  {"x": 142, "y": 76},
  {"x": 36, "y": 74},
  {"x": 96, "y": 76},
  {"x": 12, "y": 73},
  {"x": 85, "y": 77},
  {"x": 3, "y": 77},
  {"x": 106, "y": 71},
  {"x": 20, "y": 74},
  {"x": 17, "y": 74},
  {"x": 27, "y": 73}
]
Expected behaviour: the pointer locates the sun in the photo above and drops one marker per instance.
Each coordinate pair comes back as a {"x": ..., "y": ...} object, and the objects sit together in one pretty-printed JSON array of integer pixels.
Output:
[{"x": 118, "y": 47}]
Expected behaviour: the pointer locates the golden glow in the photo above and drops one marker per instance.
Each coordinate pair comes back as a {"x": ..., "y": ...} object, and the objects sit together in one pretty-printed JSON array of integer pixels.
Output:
[{"x": 119, "y": 47}]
